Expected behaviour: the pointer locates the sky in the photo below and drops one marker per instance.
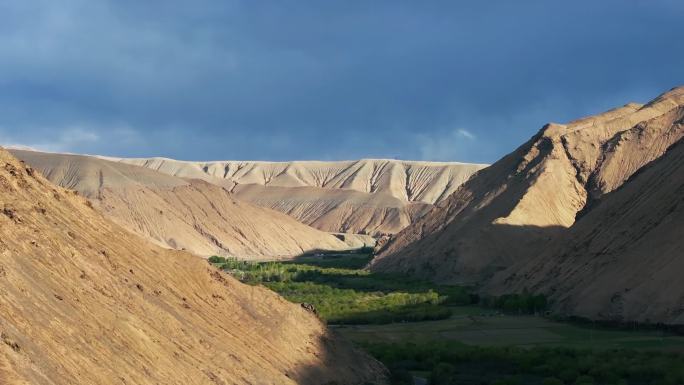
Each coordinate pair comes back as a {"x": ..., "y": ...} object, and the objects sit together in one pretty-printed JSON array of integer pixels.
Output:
[{"x": 281, "y": 80}]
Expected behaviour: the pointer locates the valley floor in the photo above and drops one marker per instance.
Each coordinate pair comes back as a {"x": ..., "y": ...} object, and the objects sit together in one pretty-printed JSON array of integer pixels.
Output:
[
  {"x": 446, "y": 335},
  {"x": 474, "y": 325}
]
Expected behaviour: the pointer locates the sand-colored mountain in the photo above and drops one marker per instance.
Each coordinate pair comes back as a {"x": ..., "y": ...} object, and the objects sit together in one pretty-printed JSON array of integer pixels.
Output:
[
  {"x": 336, "y": 210},
  {"x": 623, "y": 259},
  {"x": 369, "y": 196},
  {"x": 513, "y": 210},
  {"x": 84, "y": 301},
  {"x": 177, "y": 213}
]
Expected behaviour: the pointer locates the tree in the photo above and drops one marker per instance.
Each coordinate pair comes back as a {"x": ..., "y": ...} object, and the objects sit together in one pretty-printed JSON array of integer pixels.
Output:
[{"x": 216, "y": 259}]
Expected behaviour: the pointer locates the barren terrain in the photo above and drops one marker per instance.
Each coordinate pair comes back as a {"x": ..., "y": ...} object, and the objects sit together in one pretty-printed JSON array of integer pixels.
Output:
[
  {"x": 173, "y": 212},
  {"x": 515, "y": 211},
  {"x": 369, "y": 196},
  {"x": 83, "y": 301}
]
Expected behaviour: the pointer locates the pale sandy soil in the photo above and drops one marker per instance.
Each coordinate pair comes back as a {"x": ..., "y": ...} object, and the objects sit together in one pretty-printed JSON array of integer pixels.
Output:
[{"x": 83, "y": 301}]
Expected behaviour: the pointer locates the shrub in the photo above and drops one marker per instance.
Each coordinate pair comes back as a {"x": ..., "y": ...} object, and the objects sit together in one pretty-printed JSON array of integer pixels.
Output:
[
  {"x": 216, "y": 259},
  {"x": 524, "y": 303}
]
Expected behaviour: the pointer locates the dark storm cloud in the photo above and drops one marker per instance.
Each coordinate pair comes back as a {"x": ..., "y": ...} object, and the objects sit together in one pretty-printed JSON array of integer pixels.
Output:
[{"x": 442, "y": 80}]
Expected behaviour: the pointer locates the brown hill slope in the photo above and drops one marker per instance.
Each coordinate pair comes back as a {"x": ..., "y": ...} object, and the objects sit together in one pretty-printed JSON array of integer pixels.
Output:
[
  {"x": 371, "y": 196},
  {"x": 623, "y": 259},
  {"x": 83, "y": 301},
  {"x": 183, "y": 214},
  {"x": 511, "y": 211},
  {"x": 345, "y": 211}
]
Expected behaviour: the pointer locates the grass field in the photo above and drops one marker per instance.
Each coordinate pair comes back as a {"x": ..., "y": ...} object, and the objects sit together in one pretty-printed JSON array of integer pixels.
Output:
[
  {"x": 469, "y": 348},
  {"x": 343, "y": 293},
  {"x": 467, "y": 326},
  {"x": 445, "y": 335}
]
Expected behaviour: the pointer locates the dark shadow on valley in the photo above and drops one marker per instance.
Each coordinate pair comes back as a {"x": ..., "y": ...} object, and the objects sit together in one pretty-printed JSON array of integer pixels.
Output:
[
  {"x": 471, "y": 256},
  {"x": 343, "y": 364}
]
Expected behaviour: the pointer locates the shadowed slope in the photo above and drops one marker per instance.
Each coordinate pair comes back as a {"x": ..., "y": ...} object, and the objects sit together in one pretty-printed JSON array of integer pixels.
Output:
[
  {"x": 623, "y": 259},
  {"x": 183, "y": 214},
  {"x": 539, "y": 188},
  {"x": 82, "y": 301}
]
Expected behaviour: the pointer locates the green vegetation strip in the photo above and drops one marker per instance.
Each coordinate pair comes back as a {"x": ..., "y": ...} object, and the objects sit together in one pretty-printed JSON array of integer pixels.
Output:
[
  {"x": 343, "y": 294},
  {"x": 454, "y": 363},
  {"x": 468, "y": 340}
]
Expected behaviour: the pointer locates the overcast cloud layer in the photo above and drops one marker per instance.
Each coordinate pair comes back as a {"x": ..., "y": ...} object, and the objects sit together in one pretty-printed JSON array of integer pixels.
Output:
[{"x": 281, "y": 80}]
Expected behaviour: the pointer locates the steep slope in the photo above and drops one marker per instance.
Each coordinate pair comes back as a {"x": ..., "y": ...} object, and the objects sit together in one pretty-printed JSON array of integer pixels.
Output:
[
  {"x": 183, "y": 214},
  {"x": 369, "y": 196},
  {"x": 83, "y": 301},
  {"x": 623, "y": 259},
  {"x": 511, "y": 211}
]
